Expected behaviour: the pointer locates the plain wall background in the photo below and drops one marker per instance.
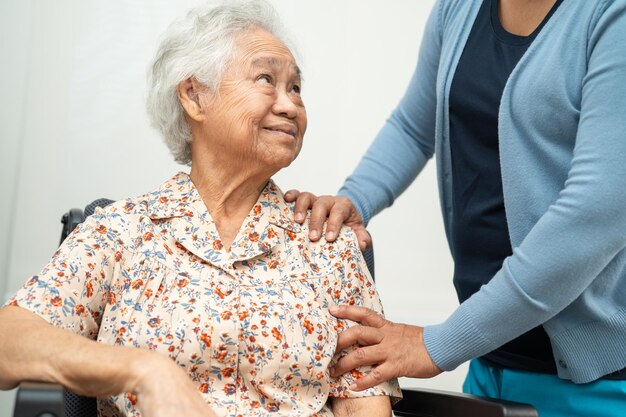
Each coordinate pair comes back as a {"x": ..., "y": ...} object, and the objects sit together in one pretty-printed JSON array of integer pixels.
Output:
[{"x": 73, "y": 128}]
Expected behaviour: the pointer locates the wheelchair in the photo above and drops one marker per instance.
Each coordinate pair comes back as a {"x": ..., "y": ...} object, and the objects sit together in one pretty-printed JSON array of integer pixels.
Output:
[{"x": 50, "y": 400}]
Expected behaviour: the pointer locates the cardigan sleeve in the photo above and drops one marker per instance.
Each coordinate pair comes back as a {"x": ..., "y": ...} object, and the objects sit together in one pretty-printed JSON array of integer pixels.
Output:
[
  {"x": 406, "y": 141},
  {"x": 580, "y": 236}
]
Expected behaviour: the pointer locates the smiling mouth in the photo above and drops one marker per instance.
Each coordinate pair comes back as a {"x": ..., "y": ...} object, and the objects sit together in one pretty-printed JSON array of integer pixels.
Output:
[{"x": 288, "y": 130}]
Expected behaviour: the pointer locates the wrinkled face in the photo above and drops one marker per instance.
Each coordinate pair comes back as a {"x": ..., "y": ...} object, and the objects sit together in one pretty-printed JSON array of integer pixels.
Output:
[{"x": 258, "y": 118}]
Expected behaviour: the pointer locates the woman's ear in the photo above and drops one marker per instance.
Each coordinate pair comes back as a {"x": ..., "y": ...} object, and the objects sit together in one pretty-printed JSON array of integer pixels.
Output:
[{"x": 189, "y": 96}]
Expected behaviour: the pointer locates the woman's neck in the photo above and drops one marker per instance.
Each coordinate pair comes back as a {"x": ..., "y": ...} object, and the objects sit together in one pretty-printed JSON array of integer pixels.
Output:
[
  {"x": 522, "y": 17},
  {"x": 228, "y": 195}
]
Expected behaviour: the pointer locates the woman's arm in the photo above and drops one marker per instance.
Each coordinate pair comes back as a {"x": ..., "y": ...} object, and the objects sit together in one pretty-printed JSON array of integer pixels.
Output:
[
  {"x": 378, "y": 406},
  {"x": 33, "y": 350},
  {"x": 47, "y": 331},
  {"x": 357, "y": 290}
]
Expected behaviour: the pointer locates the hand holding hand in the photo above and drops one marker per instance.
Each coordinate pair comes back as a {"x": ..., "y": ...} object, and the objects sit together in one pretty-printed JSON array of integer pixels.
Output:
[
  {"x": 394, "y": 349},
  {"x": 336, "y": 210}
]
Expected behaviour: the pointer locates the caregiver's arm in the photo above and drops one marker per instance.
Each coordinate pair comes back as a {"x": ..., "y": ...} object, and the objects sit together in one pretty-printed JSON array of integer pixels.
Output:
[
  {"x": 397, "y": 155},
  {"x": 579, "y": 235}
]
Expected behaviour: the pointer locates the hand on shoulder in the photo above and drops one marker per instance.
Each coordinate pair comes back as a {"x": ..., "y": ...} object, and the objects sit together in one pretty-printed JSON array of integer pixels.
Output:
[{"x": 333, "y": 210}]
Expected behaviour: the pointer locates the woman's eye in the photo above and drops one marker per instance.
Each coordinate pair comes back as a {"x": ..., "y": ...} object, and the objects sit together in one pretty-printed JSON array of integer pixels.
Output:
[
  {"x": 265, "y": 78},
  {"x": 296, "y": 89}
]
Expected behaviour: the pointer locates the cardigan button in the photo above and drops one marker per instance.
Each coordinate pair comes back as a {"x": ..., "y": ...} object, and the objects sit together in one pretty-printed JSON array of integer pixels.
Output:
[{"x": 562, "y": 364}]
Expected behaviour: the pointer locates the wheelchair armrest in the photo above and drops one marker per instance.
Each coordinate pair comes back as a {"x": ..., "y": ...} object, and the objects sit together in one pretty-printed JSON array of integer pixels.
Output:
[
  {"x": 433, "y": 403},
  {"x": 39, "y": 399},
  {"x": 36, "y": 399}
]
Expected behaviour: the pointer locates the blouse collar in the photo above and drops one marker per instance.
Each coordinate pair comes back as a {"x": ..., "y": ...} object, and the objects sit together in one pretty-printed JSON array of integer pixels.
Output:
[{"x": 179, "y": 201}]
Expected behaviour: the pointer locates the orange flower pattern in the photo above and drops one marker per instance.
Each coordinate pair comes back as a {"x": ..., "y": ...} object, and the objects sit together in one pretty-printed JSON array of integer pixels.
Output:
[{"x": 249, "y": 325}]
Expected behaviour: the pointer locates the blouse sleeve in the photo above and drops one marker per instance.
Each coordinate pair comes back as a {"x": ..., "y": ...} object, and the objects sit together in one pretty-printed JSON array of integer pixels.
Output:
[
  {"x": 72, "y": 290},
  {"x": 355, "y": 286}
]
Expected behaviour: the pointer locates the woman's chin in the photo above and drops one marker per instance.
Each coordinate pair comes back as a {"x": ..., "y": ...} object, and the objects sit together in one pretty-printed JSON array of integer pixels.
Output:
[
  {"x": 282, "y": 156},
  {"x": 284, "y": 163}
]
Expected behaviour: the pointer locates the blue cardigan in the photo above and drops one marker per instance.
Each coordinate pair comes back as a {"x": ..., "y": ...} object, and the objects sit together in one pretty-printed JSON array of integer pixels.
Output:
[{"x": 562, "y": 127}]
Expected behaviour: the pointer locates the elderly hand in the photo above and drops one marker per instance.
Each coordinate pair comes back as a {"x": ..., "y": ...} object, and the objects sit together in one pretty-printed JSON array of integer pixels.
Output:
[
  {"x": 394, "y": 349},
  {"x": 337, "y": 210},
  {"x": 163, "y": 389}
]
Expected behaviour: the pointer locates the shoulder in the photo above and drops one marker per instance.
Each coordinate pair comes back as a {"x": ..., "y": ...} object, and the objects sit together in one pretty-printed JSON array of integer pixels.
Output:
[
  {"x": 603, "y": 6},
  {"x": 453, "y": 7},
  {"x": 345, "y": 238},
  {"x": 604, "y": 12},
  {"x": 117, "y": 222},
  {"x": 131, "y": 217},
  {"x": 585, "y": 16},
  {"x": 169, "y": 199},
  {"x": 287, "y": 214},
  {"x": 346, "y": 243},
  {"x": 122, "y": 212},
  {"x": 454, "y": 12}
]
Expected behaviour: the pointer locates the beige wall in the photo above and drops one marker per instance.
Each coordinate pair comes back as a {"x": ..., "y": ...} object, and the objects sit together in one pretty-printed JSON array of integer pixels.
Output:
[{"x": 73, "y": 128}]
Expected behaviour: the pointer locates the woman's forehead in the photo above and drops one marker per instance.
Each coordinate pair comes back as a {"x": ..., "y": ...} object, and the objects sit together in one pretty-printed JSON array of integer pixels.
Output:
[
  {"x": 272, "y": 62},
  {"x": 259, "y": 48}
]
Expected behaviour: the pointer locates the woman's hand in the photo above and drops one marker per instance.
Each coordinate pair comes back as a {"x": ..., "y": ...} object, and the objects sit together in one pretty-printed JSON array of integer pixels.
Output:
[
  {"x": 336, "y": 210},
  {"x": 33, "y": 350},
  {"x": 394, "y": 349},
  {"x": 164, "y": 390},
  {"x": 374, "y": 406}
]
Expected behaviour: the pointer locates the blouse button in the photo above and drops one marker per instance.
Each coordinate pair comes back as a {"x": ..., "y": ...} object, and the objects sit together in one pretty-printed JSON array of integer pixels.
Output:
[{"x": 223, "y": 290}]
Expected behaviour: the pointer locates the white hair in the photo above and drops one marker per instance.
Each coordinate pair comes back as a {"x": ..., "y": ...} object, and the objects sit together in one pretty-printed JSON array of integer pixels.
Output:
[{"x": 199, "y": 45}]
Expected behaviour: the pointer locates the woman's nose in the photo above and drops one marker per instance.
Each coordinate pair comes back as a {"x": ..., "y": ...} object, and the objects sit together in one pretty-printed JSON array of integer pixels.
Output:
[{"x": 284, "y": 105}]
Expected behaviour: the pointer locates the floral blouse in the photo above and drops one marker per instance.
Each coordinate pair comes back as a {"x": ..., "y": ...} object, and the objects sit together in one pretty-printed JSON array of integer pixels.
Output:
[{"x": 249, "y": 325}]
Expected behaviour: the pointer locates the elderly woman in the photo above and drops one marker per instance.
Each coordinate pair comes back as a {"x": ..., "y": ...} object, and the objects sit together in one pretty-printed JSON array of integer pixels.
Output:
[{"x": 203, "y": 297}]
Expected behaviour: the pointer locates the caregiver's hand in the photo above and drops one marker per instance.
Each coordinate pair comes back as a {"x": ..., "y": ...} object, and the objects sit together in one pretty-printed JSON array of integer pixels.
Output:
[
  {"x": 394, "y": 349},
  {"x": 337, "y": 210}
]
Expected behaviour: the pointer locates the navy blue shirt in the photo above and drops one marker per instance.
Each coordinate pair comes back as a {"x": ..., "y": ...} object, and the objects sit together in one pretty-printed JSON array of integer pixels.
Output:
[{"x": 480, "y": 237}]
